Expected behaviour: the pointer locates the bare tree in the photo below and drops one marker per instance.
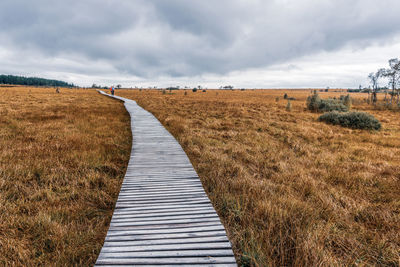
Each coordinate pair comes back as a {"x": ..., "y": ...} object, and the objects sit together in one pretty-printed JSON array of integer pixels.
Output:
[
  {"x": 374, "y": 81},
  {"x": 393, "y": 74},
  {"x": 374, "y": 78}
]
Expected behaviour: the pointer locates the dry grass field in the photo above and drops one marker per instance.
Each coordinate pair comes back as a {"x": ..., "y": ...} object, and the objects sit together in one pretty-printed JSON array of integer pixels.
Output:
[
  {"x": 290, "y": 190},
  {"x": 62, "y": 160}
]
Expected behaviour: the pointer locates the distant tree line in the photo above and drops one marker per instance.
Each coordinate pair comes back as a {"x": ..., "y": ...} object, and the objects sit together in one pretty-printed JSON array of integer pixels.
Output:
[
  {"x": 32, "y": 81},
  {"x": 94, "y": 86}
]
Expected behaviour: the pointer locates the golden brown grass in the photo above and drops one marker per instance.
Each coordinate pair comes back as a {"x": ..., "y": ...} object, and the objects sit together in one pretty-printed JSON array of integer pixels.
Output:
[
  {"x": 62, "y": 159},
  {"x": 289, "y": 189}
]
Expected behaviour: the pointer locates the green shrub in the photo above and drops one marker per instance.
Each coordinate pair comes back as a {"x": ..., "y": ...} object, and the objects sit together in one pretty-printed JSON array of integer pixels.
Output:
[
  {"x": 316, "y": 104},
  {"x": 327, "y": 105},
  {"x": 355, "y": 120}
]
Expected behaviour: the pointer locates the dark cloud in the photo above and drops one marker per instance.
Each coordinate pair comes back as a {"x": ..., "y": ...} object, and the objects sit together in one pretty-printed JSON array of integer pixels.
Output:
[{"x": 153, "y": 38}]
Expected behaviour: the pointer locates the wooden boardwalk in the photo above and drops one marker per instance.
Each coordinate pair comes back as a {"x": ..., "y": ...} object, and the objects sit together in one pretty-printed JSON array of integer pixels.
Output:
[{"x": 163, "y": 216}]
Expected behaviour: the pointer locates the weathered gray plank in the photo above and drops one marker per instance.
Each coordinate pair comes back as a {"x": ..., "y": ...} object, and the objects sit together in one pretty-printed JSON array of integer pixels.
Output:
[
  {"x": 167, "y": 194},
  {"x": 180, "y": 265},
  {"x": 177, "y": 230},
  {"x": 162, "y": 209},
  {"x": 133, "y": 224},
  {"x": 167, "y": 261},
  {"x": 149, "y": 203},
  {"x": 172, "y": 247},
  {"x": 158, "y": 192},
  {"x": 163, "y": 215},
  {"x": 168, "y": 254},
  {"x": 166, "y": 241},
  {"x": 167, "y": 228},
  {"x": 152, "y": 208},
  {"x": 157, "y": 236},
  {"x": 159, "y": 218}
]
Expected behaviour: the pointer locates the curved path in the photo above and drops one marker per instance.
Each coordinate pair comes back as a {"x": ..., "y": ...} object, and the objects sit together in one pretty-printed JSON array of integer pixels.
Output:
[{"x": 162, "y": 215}]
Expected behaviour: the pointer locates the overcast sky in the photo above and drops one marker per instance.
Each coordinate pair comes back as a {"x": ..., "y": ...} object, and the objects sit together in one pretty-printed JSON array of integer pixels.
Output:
[{"x": 246, "y": 43}]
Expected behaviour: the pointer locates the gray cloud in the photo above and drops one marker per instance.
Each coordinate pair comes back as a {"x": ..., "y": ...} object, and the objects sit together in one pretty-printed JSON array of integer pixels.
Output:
[{"x": 180, "y": 38}]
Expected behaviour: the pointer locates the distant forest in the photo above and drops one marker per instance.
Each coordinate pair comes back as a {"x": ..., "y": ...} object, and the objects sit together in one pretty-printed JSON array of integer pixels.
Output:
[{"x": 19, "y": 80}]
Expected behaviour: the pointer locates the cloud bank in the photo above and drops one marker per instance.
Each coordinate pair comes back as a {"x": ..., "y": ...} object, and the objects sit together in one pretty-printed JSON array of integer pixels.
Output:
[{"x": 159, "y": 40}]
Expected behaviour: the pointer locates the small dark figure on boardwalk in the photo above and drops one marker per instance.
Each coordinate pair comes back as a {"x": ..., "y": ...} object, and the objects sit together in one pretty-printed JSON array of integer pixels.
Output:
[
  {"x": 112, "y": 90},
  {"x": 58, "y": 90}
]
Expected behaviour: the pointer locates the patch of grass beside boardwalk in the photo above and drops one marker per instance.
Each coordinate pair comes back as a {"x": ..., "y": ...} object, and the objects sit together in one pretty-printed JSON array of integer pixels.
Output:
[
  {"x": 62, "y": 160},
  {"x": 289, "y": 189}
]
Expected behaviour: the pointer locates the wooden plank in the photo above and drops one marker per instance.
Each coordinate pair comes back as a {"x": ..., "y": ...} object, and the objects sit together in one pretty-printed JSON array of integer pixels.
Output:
[
  {"x": 165, "y": 261},
  {"x": 166, "y": 228},
  {"x": 155, "y": 207},
  {"x": 131, "y": 223},
  {"x": 158, "y": 198},
  {"x": 160, "y": 190},
  {"x": 175, "y": 192},
  {"x": 165, "y": 241},
  {"x": 156, "y": 217},
  {"x": 196, "y": 246},
  {"x": 159, "y": 184},
  {"x": 184, "y": 219},
  {"x": 171, "y": 202},
  {"x": 157, "y": 236},
  {"x": 163, "y": 215},
  {"x": 161, "y": 209},
  {"x": 180, "y": 265},
  {"x": 169, "y": 254}
]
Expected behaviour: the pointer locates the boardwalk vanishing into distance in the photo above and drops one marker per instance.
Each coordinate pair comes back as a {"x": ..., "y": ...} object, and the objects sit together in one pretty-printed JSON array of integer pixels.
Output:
[{"x": 163, "y": 215}]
